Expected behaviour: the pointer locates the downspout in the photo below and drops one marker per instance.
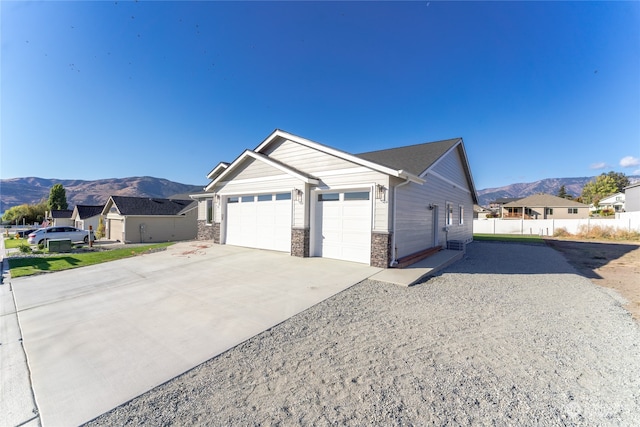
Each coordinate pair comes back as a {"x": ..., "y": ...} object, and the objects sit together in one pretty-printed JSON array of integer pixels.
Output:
[{"x": 394, "y": 262}]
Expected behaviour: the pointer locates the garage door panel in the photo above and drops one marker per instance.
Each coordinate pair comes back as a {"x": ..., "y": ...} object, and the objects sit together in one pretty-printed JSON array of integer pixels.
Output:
[
  {"x": 264, "y": 224},
  {"x": 344, "y": 229}
]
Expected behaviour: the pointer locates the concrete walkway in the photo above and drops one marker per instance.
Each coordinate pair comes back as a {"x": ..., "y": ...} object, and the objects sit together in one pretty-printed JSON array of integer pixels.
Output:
[
  {"x": 98, "y": 336},
  {"x": 417, "y": 272}
]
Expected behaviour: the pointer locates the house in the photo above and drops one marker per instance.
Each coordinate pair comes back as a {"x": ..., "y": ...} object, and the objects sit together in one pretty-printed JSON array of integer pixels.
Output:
[
  {"x": 147, "y": 220},
  {"x": 544, "y": 206},
  {"x": 480, "y": 212},
  {"x": 615, "y": 203},
  {"x": 60, "y": 217},
  {"x": 632, "y": 197},
  {"x": 298, "y": 196},
  {"x": 499, "y": 203},
  {"x": 85, "y": 216}
]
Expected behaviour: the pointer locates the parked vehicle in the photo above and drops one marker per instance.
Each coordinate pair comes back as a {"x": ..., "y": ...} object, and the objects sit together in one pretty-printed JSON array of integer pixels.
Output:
[
  {"x": 76, "y": 235},
  {"x": 24, "y": 233}
]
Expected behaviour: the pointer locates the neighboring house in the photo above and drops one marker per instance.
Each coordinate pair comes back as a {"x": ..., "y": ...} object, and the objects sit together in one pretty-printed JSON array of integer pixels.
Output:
[
  {"x": 85, "y": 216},
  {"x": 298, "y": 196},
  {"x": 632, "y": 197},
  {"x": 145, "y": 220},
  {"x": 544, "y": 206},
  {"x": 60, "y": 217},
  {"x": 480, "y": 212},
  {"x": 499, "y": 203},
  {"x": 615, "y": 202}
]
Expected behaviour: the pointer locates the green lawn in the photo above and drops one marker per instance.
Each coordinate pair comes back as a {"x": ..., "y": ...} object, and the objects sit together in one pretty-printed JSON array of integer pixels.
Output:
[
  {"x": 14, "y": 243},
  {"x": 518, "y": 238},
  {"x": 33, "y": 265}
]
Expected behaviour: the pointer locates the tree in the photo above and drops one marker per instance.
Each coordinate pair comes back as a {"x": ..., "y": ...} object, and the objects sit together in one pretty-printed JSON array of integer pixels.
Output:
[
  {"x": 25, "y": 213},
  {"x": 604, "y": 185},
  {"x": 100, "y": 232},
  {"x": 57, "y": 198},
  {"x": 562, "y": 192}
]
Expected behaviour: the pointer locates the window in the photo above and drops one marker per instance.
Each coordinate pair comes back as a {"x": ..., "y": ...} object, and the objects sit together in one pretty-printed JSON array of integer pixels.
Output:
[
  {"x": 247, "y": 199},
  {"x": 449, "y": 214},
  {"x": 233, "y": 200},
  {"x": 573, "y": 210},
  {"x": 209, "y": 208},
  {"x": 548, "y": 211},
  {"x": 265, "y": 198},
  {"x": 328, "y": 197},
  {"x": 461, "y": 213},
  {"x": 283, "y": 196},
  {"x": 357, "y": 195}
]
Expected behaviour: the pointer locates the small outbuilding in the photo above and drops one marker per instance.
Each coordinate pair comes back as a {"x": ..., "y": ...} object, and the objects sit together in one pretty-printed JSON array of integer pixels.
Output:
[{"x": 148, "y": 220}]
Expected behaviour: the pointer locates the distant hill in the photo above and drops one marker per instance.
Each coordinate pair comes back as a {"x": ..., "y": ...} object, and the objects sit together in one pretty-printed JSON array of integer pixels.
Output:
[
  {"x": 573, "y": 186},
  {"x": 18, "y": 191}
]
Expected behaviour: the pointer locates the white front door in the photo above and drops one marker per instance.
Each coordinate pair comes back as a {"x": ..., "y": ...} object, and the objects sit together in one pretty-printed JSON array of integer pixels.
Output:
[
  {"x": 343, "y": 226},
  {"x": 260, "y": 221}
]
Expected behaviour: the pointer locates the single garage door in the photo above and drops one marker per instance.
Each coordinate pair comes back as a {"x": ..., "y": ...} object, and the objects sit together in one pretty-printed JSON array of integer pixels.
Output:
[
  {"x": 260, "y": 221},
  {"x": 116, "y": 229},
  {"x": 343, "y": 224}
]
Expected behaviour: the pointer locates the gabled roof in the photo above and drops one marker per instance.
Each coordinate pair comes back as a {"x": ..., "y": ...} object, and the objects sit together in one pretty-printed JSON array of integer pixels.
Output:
[
  {"x": 545, "y": 200},
  {"x": 217, "y": 170},
  {"x": 87, "y": 211},
  {"x": 265, "y": 159},
  {"x": 413, "y": 158},
  {"x": 149, "y": 206},
  {"x": 278, "y": 134},
  {"x": 61, "y": 214}
]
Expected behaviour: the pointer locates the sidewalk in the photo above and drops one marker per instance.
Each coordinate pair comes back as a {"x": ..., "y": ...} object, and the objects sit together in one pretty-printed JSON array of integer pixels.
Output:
[{"x": 17, "y": 405}]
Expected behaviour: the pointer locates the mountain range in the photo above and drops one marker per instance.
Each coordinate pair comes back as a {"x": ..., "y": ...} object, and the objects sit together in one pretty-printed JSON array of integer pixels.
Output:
[{"x": 18, "y": 191}]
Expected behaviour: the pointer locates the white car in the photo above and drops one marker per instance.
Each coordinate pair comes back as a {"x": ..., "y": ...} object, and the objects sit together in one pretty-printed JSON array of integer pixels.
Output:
[{"x": 41, "y": 235}]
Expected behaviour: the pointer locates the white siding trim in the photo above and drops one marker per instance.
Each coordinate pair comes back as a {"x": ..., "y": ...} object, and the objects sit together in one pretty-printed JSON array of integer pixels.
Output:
[
  {"x": 250, "y": 180},
  {"x": 343, "y": 171}
]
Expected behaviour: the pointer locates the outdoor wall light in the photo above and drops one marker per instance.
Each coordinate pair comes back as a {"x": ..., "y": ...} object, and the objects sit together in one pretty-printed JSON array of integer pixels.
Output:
[
  {"x": 381, "y": 192},
  {"x": 431, "y": 206},
  {"x": 217, "y": 197},
  {"x": 298, "y": 195}
]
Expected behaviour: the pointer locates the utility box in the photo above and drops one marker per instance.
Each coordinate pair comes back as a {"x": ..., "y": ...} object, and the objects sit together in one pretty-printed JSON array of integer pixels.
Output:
[
  {"x": 59, "y": 245},
  {"x": 456, "y": 245}
]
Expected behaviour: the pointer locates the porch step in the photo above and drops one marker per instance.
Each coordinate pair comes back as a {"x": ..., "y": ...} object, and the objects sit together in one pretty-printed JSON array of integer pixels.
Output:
[{"x": 418, "y": 256}]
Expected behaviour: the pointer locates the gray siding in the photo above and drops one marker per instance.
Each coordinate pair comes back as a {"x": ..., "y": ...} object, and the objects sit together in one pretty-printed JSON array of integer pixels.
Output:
[
  {"x": 414, "y": 225},
  {"x": 451, "y": 168},
  {"x": 632, "y": 199},
  {"x": 306, "y": 159}
]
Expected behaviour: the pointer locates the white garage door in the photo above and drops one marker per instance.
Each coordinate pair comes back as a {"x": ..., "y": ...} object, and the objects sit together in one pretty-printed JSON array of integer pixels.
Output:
[
  {"x": 343, "y": 224},
  {"x": 116, "y": 229},
  {"x": 260, "y": 221}
]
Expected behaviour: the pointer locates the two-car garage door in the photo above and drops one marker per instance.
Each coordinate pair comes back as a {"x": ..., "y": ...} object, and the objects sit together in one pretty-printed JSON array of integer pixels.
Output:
[{"x": 260, "y": 221}]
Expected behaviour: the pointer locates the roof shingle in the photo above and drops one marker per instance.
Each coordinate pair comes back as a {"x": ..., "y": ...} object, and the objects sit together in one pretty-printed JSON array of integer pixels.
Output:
[{"x": 151, "y": 206}]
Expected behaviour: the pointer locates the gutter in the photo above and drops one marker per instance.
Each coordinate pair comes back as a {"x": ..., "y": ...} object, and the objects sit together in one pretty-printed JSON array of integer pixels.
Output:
[{"x": 394, "y": 262}]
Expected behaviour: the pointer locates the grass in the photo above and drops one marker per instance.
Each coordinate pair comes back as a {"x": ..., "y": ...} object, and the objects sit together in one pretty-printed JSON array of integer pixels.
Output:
[
  {"x": 12, "y": 243},
  {"x": 33, "y": 265},
  {"x": 516, "y": 238}
]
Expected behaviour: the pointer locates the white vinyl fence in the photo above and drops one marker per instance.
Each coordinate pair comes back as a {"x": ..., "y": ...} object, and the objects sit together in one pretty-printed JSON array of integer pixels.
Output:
[{"x": 629, "y": 221}]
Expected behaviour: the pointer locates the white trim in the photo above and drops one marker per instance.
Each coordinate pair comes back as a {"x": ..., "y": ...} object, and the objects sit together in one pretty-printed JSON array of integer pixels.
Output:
[
  {"x": 337, "y": 153},
  {"x": 254, "y": 192},
  {"x": 264, "y": 159},
  {"x": 221, "y": 165},
  {"x": 342, "y": 171},
  {"x": 250, "y": 180}
]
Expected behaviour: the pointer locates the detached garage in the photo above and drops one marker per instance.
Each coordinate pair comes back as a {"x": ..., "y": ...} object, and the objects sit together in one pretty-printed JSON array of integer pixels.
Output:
[
  {"x": 294, "y": 195},
  {"x": 149, "y": 220}
]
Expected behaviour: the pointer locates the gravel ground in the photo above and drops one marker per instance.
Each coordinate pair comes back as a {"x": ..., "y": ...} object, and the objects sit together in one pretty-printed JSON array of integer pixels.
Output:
[{"x": 509, "y": 336}]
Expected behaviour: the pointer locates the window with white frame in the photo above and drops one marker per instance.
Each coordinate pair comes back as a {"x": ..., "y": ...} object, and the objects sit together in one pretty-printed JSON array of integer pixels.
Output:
[
  {"x": 449, "y": 214},
  {"x": 573, "y": 211},
  {"x": 461, "y": 213},
  {"x": 209, "y": 207}
]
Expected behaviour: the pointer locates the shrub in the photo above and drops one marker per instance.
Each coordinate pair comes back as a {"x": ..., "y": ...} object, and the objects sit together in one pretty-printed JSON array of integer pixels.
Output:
[
  {"x": 561, "y": 232},
  {"x": 24, "y": 248}
]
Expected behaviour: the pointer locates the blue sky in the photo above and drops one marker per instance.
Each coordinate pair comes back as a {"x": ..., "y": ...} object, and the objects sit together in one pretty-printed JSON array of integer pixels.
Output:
[{"x": 104, "y": 89}]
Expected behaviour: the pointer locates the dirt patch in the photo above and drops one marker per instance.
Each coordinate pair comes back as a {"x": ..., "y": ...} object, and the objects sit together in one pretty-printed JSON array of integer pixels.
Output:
[{"x": 610, "y": 264}]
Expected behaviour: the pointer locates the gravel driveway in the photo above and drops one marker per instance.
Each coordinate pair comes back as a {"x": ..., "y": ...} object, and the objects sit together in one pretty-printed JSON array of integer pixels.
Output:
[{"x": 509, "y": 336}]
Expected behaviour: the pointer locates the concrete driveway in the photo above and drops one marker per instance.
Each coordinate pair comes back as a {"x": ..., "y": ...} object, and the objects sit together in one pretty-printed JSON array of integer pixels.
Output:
[{"x": 98, "y": 336}]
